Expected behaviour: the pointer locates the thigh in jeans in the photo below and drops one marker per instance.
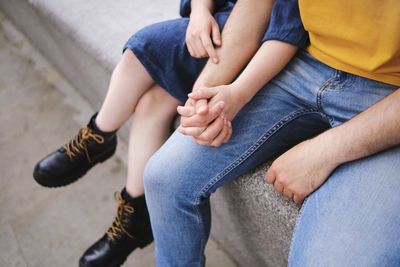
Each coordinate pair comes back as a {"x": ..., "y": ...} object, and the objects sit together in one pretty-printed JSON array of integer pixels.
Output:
[
  {"x": 353, "y": 219},
  {"x": 180, "y": 177}
]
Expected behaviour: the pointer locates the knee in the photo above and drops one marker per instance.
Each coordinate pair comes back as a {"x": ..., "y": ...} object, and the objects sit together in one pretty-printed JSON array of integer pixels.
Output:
[
  {"x": 166, "y": 182},
  {"x": 156, "y": 103},
  {"x": 157, "y": 177},
  {"x": 147, "y": 104},
  {"x": 152, "y": 178}
]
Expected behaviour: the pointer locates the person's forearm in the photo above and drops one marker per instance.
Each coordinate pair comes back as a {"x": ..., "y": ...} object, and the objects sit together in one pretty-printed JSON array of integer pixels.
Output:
[
  {"x": 198, "y": 6},
  {"x": 240, "y": 40},
  {"x": 372, "y": 131},
  {"x": 269, "y": 60}
]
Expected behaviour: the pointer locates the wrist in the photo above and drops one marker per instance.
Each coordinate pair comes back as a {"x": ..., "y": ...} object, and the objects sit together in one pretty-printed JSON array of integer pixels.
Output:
[
  {"x": 241, "y": 93},
  {"x": 200, "y": 83},
  {"x": 330, "y": 148},
  {"x": 201, "y": 7}
]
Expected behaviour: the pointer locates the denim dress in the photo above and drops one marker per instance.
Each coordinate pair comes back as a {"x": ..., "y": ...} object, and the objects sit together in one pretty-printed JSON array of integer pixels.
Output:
[{"x": 161, "y": 47}]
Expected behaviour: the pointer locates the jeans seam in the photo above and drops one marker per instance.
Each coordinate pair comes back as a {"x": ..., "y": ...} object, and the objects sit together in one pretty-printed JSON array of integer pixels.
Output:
[
  {"x": 333, "y": 84},
  {"x": 245, "y": 155},
  {"x": 320, "y": 92},
  {"x": 252, "y": 149},
  {"x": 340, "y": 85},
  {"x": 255, "y": 146}
]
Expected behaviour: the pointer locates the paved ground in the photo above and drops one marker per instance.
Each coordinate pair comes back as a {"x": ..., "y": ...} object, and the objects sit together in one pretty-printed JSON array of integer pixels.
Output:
[{"x": 39, "y": 111}]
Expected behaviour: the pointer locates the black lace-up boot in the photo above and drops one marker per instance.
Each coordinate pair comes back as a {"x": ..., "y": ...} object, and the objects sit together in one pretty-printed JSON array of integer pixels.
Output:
[
  {"x": 70, "y": 162},
  {"x": 130, "y": 229}
]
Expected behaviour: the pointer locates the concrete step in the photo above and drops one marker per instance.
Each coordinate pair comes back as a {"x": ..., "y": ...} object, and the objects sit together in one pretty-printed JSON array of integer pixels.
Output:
[{"x": 83, "y": 39}]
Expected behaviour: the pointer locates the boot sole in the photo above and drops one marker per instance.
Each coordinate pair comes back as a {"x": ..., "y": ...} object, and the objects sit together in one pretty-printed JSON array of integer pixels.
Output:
[
  {"x": 54, "y": 182},
  {"x": 117, "y": 262}
]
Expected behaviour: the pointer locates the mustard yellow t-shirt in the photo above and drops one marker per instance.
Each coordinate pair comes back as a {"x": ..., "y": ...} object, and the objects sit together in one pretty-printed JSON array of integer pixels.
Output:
[{"x": 361, "y": 37}]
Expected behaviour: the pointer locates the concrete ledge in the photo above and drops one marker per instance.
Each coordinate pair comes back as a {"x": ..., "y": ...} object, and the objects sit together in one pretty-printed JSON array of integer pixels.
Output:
[
  {"x": 253, "y": 223},
  {"x": 83, "y": 39}
]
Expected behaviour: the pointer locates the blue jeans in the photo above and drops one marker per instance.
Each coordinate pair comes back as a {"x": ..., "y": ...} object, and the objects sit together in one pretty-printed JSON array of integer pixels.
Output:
[{"x": 353, "y": 219}]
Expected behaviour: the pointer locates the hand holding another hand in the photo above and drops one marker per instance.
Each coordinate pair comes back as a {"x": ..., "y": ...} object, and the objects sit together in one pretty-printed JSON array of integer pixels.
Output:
[
  {"x": 211, "y": 126},
  {"x": 208, "y": 128}
]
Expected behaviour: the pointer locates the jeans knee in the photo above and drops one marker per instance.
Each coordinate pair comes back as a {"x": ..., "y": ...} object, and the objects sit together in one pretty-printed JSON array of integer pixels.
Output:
[
  {"x": 165, "y": 182},
  {"x": 151, "y": 175}
]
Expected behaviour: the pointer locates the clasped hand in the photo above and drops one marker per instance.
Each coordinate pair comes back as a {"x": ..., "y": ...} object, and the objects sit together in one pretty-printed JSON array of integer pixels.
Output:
[
  {"x": 207, "y": 116},
  {"x": 208, "y": 113}
]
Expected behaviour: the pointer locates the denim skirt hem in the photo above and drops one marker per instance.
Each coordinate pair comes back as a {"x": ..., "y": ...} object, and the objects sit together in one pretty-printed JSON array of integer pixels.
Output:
[{"x": 161, "y": 48}]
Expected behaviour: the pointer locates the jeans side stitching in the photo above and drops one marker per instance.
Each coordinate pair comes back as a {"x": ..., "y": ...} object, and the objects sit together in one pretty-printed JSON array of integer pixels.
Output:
[
  {"x": 244, "y": 156},
  {"x": 253, "y": 148}
]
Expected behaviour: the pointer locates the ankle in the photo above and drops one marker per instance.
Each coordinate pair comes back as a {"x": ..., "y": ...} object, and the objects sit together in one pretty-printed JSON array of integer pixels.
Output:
[
  {"x": 101, "y": 125},
  {"x": 134, "y": 193}
]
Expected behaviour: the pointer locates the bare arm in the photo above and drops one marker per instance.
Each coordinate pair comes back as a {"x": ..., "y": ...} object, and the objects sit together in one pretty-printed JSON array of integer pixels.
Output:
[
  {"x": 305, "y": 167},
  {"x": 239, "y": 43},
  {"x": 269, "y": 60},
  {"x": 373, "y": 130}
]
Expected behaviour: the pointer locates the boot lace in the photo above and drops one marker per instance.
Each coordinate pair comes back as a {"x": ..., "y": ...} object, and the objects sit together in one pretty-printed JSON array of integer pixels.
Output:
[
  {"x": 82, "y": 140},
  {"x": 121, "y": 220}
]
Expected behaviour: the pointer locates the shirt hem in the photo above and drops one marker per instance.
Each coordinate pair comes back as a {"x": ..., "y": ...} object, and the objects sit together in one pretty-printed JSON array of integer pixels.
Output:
[{"x": 380, "y": 77}]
